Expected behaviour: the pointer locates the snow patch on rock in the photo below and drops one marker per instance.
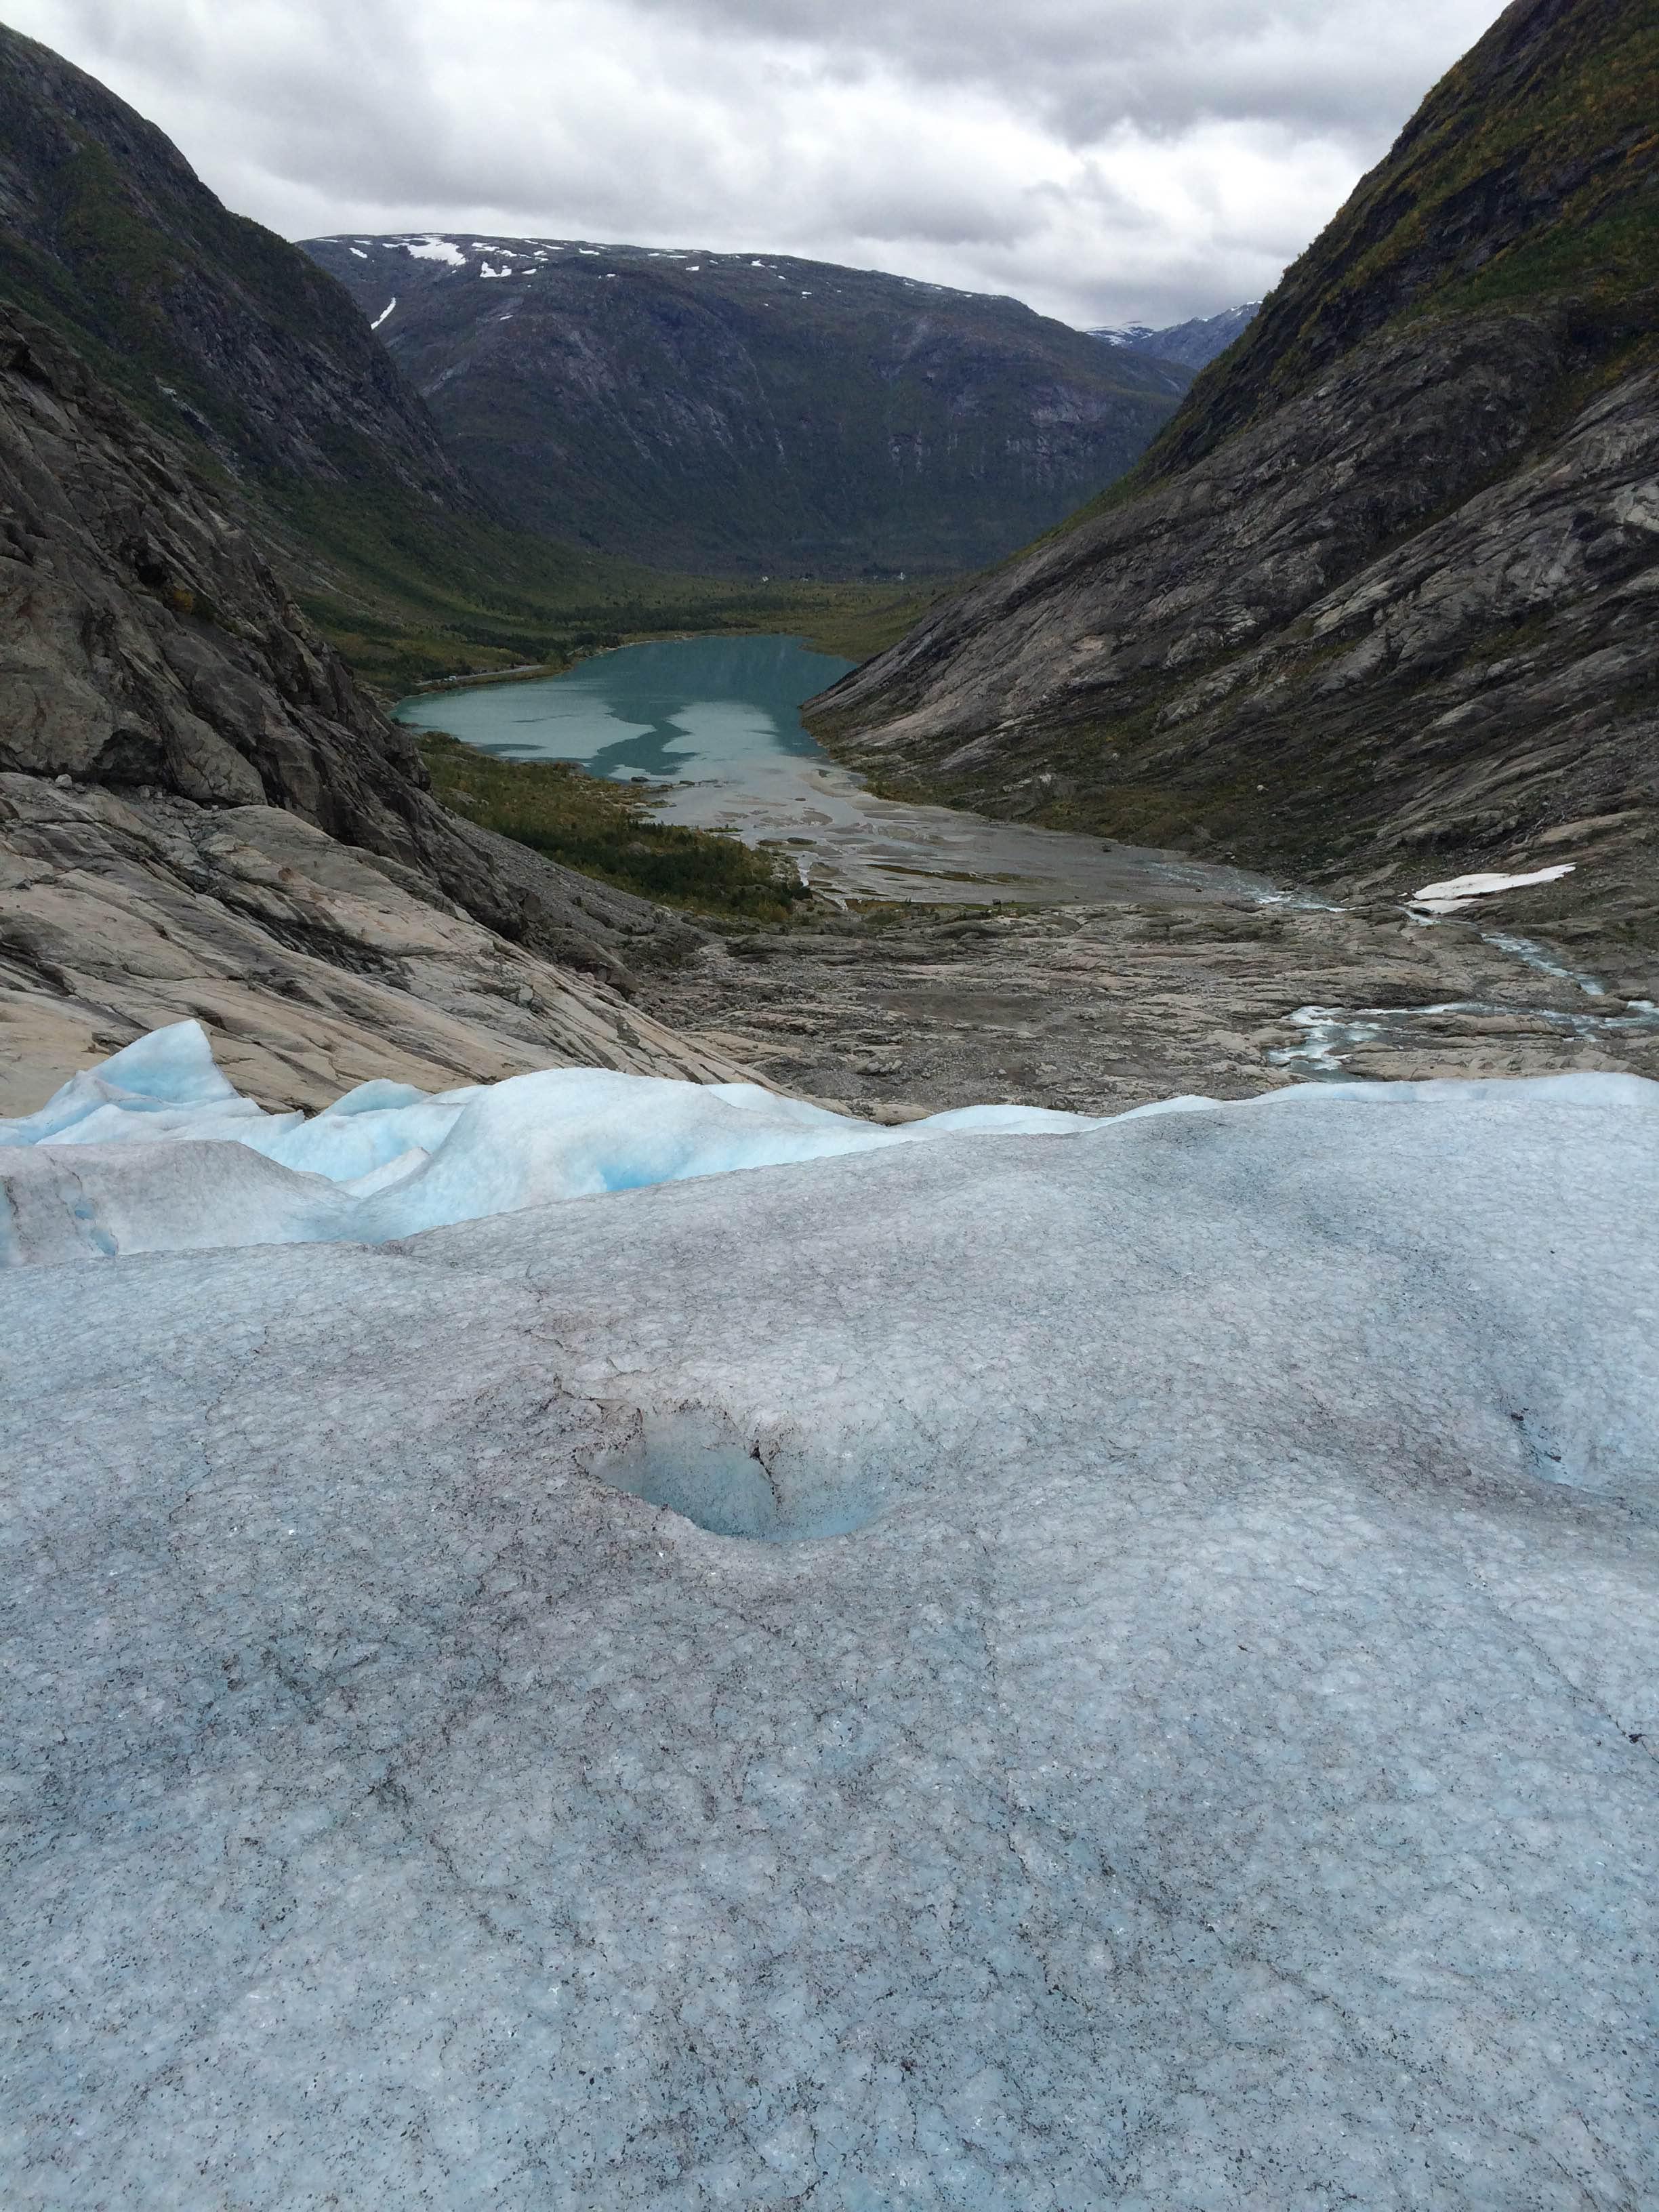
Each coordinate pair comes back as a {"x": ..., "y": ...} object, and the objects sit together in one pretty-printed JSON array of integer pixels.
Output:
[
  {"x": 1460, "y": 891},
  {"x": 435, "y": 249}
]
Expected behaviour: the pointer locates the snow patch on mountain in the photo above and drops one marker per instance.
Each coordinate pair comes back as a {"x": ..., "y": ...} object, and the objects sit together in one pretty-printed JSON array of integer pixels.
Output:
[
  {"x": 435, "y": 249},
  {"x": 1462, "y": 891}
]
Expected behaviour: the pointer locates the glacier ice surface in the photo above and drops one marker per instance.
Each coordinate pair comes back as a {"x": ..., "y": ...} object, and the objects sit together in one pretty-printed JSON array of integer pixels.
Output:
[
  {"x": 386, "y": 1160},
  {"x": 1212, "y": 1768}
]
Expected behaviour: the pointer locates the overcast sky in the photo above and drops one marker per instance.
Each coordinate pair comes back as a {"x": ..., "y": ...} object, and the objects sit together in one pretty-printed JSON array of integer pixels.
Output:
[{"x": 1107, "y": 159}]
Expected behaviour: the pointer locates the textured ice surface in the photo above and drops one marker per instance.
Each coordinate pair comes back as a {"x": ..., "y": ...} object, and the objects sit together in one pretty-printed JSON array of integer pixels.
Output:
[
  {"x": 387, "y": 1160},
  {"x": 1214, "y": 1770}
]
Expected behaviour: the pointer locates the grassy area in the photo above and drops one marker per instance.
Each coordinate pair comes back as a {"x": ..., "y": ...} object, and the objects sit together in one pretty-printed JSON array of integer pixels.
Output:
[
  {"x": 586, "y": 823},
  {"x": 406, "y": 602}
]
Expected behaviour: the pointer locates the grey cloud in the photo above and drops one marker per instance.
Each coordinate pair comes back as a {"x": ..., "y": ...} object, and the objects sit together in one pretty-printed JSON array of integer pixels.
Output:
[
  {"x": 1357, "y": 67},
  {"x": 1104, "y": 158}
]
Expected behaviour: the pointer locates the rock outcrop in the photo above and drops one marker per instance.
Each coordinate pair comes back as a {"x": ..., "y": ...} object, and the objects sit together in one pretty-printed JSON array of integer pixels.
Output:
[
  {"x": 313, "y": 965},
  {"x": 1381, "y": 598}
]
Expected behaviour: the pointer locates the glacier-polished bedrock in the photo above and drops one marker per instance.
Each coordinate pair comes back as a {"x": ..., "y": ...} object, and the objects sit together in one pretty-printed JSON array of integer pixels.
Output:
[{"x": 1114, "y": 1666}]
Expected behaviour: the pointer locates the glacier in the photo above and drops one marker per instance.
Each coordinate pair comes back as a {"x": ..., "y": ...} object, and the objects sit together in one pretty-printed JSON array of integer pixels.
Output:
[
  {"x": 387, "y": 1160},
  {"x": 1023, "y": 1670}
]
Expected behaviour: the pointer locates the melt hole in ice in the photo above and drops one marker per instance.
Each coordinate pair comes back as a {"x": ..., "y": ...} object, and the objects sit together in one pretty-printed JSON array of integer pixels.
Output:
[{"x": 697, "y": 1465}]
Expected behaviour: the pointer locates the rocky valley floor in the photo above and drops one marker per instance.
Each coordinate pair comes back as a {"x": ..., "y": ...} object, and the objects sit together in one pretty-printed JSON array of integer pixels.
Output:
[
  {"x": 314, "y": 965},
  {"x": 1096, "y": 1009}
]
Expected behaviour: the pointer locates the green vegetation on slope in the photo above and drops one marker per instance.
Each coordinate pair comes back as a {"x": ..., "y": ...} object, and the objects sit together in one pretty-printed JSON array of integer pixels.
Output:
[
  {"x": 596, "y": 826},
  {"x": 1566, "y": 127},
  {"x": 1528, "y": 179},
  {"x": 212, "y": 327},
  {"x": 406, "y": 604}
]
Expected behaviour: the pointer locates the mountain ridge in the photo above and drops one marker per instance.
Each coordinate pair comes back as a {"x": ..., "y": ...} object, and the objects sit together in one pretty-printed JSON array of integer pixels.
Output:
[
  {"x": 748, "y": 414},
  {"x": 234, "y": 345},
  {"x": 1194, "y": 343},
  {"x": 205, "y": 321}
]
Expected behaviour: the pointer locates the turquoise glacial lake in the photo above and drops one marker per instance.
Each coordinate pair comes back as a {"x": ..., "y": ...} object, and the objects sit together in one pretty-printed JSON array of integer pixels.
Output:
[{"x": 714, "y": 723}]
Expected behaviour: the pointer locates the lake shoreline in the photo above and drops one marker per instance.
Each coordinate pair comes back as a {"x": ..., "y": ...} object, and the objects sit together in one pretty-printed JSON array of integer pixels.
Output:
[{"x": 713, "y": 724}]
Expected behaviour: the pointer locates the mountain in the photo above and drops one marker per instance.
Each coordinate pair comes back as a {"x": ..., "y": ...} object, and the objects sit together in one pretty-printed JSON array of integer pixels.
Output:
[
  {"x": 1194, "y": 344},
  {"x": 745, "y": 415},
  {"x": 257, "y": 366},
  {"x": 1377, "y": 606},
  {"x": 210, "y": 324}
]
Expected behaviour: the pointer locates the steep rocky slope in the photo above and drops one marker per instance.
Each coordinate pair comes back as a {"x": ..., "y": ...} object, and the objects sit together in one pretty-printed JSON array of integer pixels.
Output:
[
  {"x": 313, "y": 965},
  {"x": 212, "y": 325},
  {"x": 1379, "y": 604},
  {"x": 743, "y": 415},
  {"x": 226, "y": 779}
]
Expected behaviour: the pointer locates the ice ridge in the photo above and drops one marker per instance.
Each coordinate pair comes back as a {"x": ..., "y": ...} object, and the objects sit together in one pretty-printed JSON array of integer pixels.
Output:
[{"x": 114, "y": 1162}]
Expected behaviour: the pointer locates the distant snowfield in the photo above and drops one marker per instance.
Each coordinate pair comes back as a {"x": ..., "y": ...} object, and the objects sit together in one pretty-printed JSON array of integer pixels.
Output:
[
  {"x": 435, "y": 249},
  {"x": 1116, "y": 1667}
]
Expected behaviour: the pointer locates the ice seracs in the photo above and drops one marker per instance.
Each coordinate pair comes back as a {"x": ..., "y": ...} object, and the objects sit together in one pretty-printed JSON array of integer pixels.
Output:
[{"x": 386, "y": 1160}]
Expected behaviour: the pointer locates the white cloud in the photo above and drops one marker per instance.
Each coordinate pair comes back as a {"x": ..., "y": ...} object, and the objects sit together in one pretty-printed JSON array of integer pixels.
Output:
[{"x": 1106, "y": 160}]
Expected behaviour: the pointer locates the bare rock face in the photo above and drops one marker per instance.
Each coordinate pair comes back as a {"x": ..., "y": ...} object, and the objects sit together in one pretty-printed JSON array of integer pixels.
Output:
[
  {"x": 314, "y": 965},
  {"x": 145, "y": 642},
  {"x": 1381, "y": 607}
]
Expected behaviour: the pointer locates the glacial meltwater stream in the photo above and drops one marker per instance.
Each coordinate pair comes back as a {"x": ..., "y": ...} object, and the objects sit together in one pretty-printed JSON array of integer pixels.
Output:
[{"x": 716, "y": 722}]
